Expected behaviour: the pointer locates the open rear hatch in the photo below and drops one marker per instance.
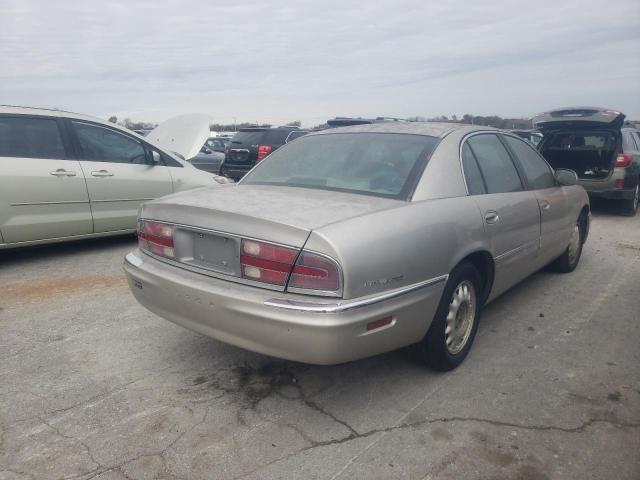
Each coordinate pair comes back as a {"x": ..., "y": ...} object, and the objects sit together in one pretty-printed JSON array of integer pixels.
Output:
[
  {"x": 583, "y": 139},
  {"x": 579, "y": 117}
]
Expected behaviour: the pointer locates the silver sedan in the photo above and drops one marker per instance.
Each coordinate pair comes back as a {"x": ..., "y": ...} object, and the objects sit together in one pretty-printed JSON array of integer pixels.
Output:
[{"x": 355, "y": 241}]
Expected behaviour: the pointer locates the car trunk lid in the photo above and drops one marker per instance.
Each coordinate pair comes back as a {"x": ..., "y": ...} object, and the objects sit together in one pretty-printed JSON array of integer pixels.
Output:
[{"x": 210, "y": 223}]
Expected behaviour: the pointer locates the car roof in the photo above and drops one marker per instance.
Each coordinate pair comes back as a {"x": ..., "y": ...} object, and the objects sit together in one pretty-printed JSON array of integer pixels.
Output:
[
  {"x": 432, "y": 129},
  {"x": 268, "y": 129},
  {"x": 47, "y": 112}
]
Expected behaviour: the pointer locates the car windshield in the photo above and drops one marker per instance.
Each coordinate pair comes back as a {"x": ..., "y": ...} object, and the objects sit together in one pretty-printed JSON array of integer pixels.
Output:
[{"x": 383, "y": 164}]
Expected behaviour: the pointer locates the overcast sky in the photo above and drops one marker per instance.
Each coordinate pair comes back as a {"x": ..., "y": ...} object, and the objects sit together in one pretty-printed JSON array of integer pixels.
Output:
[{"x": 312, "y": 60}]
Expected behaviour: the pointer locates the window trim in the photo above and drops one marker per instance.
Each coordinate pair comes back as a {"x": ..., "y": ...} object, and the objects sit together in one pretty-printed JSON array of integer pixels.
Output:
[
  {"x": 518, "y": 163},
  {"x": 66, "y": 143}
]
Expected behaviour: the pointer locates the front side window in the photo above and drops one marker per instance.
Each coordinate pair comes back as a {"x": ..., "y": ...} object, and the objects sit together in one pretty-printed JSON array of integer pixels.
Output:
[
  {"x": 536, "y": 169},
  {"x": 29, "y": 137},
  {"x": 101, "y": 144},
  {"x": 497, "y": 168},
  {"x": 383, "y": 164}
]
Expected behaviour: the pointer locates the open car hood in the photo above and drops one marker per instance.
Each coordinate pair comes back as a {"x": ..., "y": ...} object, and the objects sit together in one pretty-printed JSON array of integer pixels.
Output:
[
  {"x": 578, "y": 117},
  {"x": 184, "y": 134}
]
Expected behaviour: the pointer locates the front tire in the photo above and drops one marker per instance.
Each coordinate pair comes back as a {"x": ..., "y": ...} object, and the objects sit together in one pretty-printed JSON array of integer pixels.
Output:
[{"x": 455, "y": 323}]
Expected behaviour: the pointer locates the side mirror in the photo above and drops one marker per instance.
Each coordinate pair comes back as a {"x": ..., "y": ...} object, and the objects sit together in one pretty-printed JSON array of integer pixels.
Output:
[
  {"x": 566, "y": 177},
  {"x": 208, "y": 151},
  {"x": 155, "y": 158}
]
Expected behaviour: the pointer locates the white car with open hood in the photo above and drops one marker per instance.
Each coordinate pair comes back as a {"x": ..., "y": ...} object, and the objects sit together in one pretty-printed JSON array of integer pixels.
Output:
[{"x": 65, "y": 176}]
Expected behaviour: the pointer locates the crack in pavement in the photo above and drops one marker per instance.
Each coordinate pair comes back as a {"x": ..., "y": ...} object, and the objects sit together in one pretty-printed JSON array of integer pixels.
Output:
[
  {"x": 100, "y": 469},
  {"x": 497, "y": 423}
]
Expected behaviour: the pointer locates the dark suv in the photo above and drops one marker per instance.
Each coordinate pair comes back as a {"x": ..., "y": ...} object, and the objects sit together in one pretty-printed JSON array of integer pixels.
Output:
[
  {"x": 250, "y": 145},
  {"x": 596, "y": 144}
]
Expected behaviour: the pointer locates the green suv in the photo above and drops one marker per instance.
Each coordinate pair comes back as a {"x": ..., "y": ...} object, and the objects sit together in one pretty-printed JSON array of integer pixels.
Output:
[{"x": 596, "y": 144}]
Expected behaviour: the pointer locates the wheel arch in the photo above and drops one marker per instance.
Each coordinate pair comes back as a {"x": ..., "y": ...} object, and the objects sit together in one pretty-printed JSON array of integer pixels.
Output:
[
  {"x": 482, "y": 260},
  {"x": 585, "y": 213}
]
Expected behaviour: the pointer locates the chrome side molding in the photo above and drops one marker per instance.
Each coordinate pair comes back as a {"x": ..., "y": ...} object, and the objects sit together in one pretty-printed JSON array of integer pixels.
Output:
[{"x": 346, "y": 305}]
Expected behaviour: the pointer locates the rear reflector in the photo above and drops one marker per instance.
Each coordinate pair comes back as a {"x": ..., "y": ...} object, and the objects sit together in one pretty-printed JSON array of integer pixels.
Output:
[
  {"x": 156, "y": 238},
  {"x": 620, "y": 183},
  {"x": 263, "y": 151},
  {"x": 623, "y": 160},
  {"x": 379, "y": 323}
]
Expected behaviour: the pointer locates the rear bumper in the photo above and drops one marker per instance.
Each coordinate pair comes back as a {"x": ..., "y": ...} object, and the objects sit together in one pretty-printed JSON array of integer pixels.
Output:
[
  {"x": 294, "y": 327},
  {"x": 622, "y": 194}
]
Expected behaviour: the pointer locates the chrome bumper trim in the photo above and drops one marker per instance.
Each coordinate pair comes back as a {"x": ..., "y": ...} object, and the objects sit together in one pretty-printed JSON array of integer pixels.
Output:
[
  {"x": 133, "y": 259},
  {"x": 343, "y": 306}
]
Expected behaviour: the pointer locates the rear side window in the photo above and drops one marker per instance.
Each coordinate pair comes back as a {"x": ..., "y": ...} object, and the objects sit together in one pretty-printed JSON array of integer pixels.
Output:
[
  {"x": 472, "y": 174},
  {"x": 274, "y": 137},
  {"x": 101, "y": 144},
  {"x": 629, "y": 142},
  {"x": 29, "y": 137},
  {"x": 295, "y": 134},
  {"x": 497, "y": 168},
  {"x": 536, "y": 170}
]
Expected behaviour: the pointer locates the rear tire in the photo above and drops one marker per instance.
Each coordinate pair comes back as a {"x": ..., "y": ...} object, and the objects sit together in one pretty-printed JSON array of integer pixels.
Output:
[
  {"x": 568, "y": 261},
  {"x": 455, "y": 323},
  {"x": 630, "y": 206}
]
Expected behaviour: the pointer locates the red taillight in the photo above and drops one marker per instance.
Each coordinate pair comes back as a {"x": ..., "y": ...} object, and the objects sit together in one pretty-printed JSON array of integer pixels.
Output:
[
  {"x": 156, "y": 238},
  {"x": 315, "y": 272},
  {"x": 623, "y": 160},
  {"x": 263, "y": 151},
  {"x": 268, "y": 263},
  {"x": 264, "y": 262}
]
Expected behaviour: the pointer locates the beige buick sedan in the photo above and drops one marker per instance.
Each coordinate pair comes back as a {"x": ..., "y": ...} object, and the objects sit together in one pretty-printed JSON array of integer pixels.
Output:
[
  {"x": 65, "y": 176},
  {"x": 355, "y": 241}
]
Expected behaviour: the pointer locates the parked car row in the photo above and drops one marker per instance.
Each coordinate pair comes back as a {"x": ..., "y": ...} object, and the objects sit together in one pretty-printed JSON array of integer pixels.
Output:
[{"x": 342, "y": 244}]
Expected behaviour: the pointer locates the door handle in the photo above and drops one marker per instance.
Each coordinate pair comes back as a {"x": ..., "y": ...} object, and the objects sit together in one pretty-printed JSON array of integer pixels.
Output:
[
  {"x": 61, "y": 172},
  {"x": 101, "y": 173},
  {"x": 491, "y": 217},
  {"x": 545, "y": 206}
]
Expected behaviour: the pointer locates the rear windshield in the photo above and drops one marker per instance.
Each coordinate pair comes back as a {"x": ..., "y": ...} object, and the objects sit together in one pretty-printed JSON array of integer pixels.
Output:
[
  {"x": 383, "y": 164},
  {"x": 248, "y": 137}
]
